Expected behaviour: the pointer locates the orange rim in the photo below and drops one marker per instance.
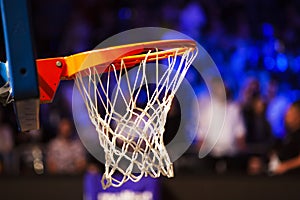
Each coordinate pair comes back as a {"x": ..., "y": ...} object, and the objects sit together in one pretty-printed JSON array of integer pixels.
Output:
[
  {"x": 52, "y": 70},
  {"x": 131, "y": 54}
]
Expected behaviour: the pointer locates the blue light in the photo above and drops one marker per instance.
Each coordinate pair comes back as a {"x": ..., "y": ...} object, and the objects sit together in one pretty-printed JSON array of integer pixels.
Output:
[
  {"x": 268, "y": 30},
  {"x": 125, "y": 13},
  {"x": 296, "y": 64},
  {"x": 281, "y": 62},
  {"x": 142, "y": 97},
  {"x": 269, "y": 63}
]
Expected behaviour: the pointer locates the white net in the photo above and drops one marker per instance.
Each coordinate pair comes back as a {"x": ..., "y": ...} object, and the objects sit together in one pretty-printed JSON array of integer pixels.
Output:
[{"x": 129, "y": 113}]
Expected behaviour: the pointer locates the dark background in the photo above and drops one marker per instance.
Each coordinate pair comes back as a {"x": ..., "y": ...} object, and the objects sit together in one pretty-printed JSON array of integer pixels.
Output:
[{"x": 245, "y": 39}]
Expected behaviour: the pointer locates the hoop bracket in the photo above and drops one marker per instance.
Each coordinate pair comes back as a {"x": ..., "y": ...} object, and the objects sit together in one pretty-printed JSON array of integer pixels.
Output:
[{"x": 49, "y": 75}]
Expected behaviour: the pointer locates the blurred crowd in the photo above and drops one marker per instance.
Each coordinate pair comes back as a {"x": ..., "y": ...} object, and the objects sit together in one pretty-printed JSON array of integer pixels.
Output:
[
  {"x": 253, "y": 43},
  {"x": 241, "y": 135}
]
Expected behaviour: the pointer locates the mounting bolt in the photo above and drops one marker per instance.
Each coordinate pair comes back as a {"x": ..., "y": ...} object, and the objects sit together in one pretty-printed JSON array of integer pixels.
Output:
[{"x": 58, "y": 64}]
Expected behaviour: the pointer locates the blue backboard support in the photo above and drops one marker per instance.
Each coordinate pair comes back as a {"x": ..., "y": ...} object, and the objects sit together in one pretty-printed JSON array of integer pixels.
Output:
[{"x": 21, "y": 62}]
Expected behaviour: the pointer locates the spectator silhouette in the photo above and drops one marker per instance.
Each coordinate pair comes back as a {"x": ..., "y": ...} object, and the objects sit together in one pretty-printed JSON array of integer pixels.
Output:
[
  {"x": 65, "y": 155},
  {"x": 6, "y": 145},
  {"x": 259, "y": 137},
  {"x": 289, "y": 152},
  {"x": 228, "y": 143}
]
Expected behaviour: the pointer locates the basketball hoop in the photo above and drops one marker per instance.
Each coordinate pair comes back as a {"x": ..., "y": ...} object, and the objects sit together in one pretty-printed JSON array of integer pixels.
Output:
[{"x": 132, "y": 138}]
